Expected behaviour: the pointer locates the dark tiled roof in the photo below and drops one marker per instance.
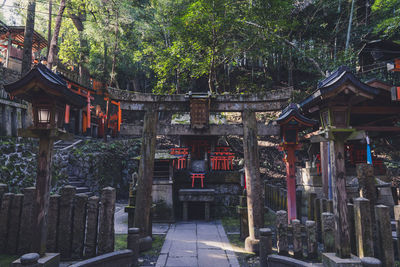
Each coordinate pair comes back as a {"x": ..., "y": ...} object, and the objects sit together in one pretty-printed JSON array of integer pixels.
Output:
[
  {"x": 293, "y": 110},
  {"x": 341, "y": 76},
  {"x": 48, "y": 79}
]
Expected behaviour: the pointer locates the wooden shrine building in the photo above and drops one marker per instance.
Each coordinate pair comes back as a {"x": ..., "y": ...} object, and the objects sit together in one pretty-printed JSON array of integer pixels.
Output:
[{"x": 351, "y": 113}]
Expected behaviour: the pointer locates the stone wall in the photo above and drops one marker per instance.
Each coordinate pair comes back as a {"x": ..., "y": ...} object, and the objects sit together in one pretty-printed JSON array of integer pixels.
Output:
[{"x": 78, "y": 226}]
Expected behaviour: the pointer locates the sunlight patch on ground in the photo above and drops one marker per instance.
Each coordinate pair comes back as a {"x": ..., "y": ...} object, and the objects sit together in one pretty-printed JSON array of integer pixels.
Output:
[{"x": 225, "y": 246}]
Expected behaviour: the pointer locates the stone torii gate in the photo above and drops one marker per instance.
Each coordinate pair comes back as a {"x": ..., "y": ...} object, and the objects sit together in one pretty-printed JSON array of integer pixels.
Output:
[{"x": 248, "y": 105}]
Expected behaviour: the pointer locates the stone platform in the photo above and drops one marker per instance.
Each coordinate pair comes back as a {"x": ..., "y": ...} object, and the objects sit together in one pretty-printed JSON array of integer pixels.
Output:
[{"x": 196, "y": 195}]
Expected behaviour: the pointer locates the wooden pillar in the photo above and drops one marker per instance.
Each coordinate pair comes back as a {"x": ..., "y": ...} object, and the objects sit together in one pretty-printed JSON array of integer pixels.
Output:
[
  {"x": 42, "y": 193},
  {"x": 253, "y": 181},
  {"x": 342, "y": 235},
  {"x": 145, "y": 179},
  {"x": 291, "y": 182},
  {"x": 324, "y": 168},
  {"x": 8, "y": 50}
]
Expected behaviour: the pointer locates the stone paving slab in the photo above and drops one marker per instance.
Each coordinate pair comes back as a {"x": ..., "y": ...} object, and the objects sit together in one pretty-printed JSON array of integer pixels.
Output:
[{"x": 197, "y": 244}]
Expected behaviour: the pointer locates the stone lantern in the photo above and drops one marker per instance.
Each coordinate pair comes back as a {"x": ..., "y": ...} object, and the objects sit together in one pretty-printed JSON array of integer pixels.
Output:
[
  {"x": 291, "y": 122},
  {"x": 49, "y": 95}
]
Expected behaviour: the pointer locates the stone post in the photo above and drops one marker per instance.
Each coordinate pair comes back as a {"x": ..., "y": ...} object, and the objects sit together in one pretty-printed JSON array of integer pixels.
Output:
[
  {"x": 14, "y": 222},
  {"x": 311, "y": 202},
  {"x": 79, "y": 225},
  {"x": 106, "y": 221},
  {"x": 253, "y": 180},
  {"x": 299, "y": 207},
  {"x": 352, "y": 229},
  {"x": 25, "y": 230},
  {"x": 396, "y": 210},
  {"x": 185, "y": 211},
  {"x": 243, "y": 218},
  {"x": 363, "y": 228},
  {"x": 329, "y": 207},
  {"x": 7, "y": 121},
  {"x": 384, "y": 232},
  {"x": 3, "y": 189},
  {"x": 92, "y": 223},
  {"x": 297, "y": 244},
  {"x": 397, "y": 226},
  {"x": 5, "y": 210},
  {"x": 312, "y": 245},
  {"x": 273, "y": 197},
  {"x": 317, "y": 217},
  {"x": 324, "y": 205},
  {"x": 65, "y": 221},
  {"x": 328, "y": 231},
  {"x": 30, "y": 260},
  {"x": 265, "y": 245},
  {"x": 282, "y": 232},
  {"x": 52, "y": 219},
  {"x": 145, "y": 178},
  {"x": 133, "y": 244}
]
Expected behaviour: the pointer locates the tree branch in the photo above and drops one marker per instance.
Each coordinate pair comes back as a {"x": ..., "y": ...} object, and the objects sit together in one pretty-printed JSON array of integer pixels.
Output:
[{"x": 286, "y": 41}]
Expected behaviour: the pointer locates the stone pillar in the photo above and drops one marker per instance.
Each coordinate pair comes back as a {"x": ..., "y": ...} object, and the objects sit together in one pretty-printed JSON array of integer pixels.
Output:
[
  {"x": 146, "y": 168},
  {"x": 79, "y": 225},
  {"x": 329, "y": 206},
  {"x": 253, "y": 180},
  {"x": 317, "y": 217},
  {"x": 384, "y": 232},
  {"x": 7, "y": 120},
  {"x": 65, "y": 221},
  {"x": 14, "y": 222},
  {"x": 397, "y": 227},
  {"x": 282, "y": 232},
  {"x": 2, "y": 130},
  {"x": 396, "y": 210},
  {"x": 207, "y": 211},
  {"x": 185, "y": 211},
  {"x": 25, "y": 229},
  {"x": 3, "y": 190},
  {"x": 363, "y": 228},
  {"x": 299, "y": 207},
  {"x": 311, "y": 202},
  {"x": 312, "y": 245},
  {"x": 52, "y": 219},
  {"x": 324, "y": 205},
  {"x": 133, "y": 244},
  {"x": 106, "y": 221},
  {"x": 5, "y": 210},
  {"x": 265, "y": 245},
  {"x": 352, "y": 229},
  {"x": 273, "y": 201},
  {"x": 243, "y": 218},
  {"x": 324, "y": 167},
  {"x": 19, "y": 118},
  {"x": 92, "y": 223},
  {"x": 297, "y": 244},
  {"x": 328, "y": 231}
]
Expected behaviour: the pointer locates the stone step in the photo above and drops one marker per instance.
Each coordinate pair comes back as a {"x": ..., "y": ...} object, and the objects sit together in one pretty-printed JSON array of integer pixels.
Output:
[
  {"x": 82, "y": 190},
  {"x": 77, "y": 184}
]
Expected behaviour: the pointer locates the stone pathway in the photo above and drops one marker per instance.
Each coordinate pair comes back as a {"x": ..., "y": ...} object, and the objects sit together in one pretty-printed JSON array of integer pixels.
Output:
[{"x": 197, "y": 244}]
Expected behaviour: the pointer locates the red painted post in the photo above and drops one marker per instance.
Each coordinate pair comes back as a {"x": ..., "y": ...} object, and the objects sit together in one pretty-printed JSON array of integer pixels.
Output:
[{"x": 291, "y": 182}]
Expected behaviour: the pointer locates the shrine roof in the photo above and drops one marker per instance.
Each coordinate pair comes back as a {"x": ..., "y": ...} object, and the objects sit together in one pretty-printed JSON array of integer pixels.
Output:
[
  {"x": 41, "y": 76},
  {"x": 293, "y": 110},
  {"x": 337, "y": 79}
]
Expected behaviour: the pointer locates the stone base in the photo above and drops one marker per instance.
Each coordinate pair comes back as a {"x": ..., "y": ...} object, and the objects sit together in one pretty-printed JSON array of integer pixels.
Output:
[
  {"x": 145, "y": 243},
  {"x": 252, "y": 245},
  {"x": 48, "y": 260},
  {"x": 331, "y": 260}
]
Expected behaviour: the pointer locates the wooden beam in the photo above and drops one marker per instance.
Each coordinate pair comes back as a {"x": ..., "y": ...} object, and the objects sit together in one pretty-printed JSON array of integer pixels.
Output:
[
  {"x": 179, "y": 129},
  {"x": 376, "y": 110},
  {"x": 271, "y": 100},
  {"x": 378, "y": 128}
]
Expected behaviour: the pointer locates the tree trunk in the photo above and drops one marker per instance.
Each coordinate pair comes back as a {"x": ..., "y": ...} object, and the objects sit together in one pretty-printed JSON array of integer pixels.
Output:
[
  {"x": 113, "y": 80},
  {"x": 28, "y": 37},
  {"x": 49, "y": 27},
  {"x": 54, "y": 39},
  {"x": 349, "y": 27}
]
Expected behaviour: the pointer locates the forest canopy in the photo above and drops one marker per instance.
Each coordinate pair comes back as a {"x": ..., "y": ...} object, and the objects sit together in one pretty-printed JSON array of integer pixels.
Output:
[{"x": 173, "y": 46}]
